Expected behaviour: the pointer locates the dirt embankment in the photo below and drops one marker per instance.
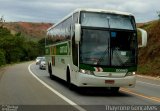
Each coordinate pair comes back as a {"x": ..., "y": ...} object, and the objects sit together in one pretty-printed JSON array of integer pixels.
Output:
[
  {"x": 28, "y": 29},
  {"x": 149, "y": 57}
]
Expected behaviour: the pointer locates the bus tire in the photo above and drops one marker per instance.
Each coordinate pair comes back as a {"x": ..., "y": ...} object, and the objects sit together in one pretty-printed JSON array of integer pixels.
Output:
[
  {"x": 68, "y": 77},
  {"x": 50, "y": 71},
  {"x": 114, "y": 89}
]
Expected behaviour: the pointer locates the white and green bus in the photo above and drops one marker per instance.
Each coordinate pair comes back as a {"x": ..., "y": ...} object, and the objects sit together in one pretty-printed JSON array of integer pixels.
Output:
[{"x": 94, "y": 48}]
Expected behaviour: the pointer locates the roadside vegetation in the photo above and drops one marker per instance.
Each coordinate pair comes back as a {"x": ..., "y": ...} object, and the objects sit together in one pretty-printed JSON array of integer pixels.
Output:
[
  {"x": 16, "y": 48},
  {"x": 22, "y": 41}
]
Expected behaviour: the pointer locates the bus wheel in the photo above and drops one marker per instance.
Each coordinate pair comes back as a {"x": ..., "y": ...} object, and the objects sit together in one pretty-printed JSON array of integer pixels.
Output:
[
  {"x": 69, "y": 84},
  {"x": 114, "y": 89},
  {"x": 50, "y": 71}
]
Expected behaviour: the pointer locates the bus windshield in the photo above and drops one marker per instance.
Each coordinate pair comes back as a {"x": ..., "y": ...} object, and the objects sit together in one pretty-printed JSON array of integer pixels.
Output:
[
  {"x": 102, "y": 47},
  {"x": 94, "y": 44},
  {"x": 112, "y": 43},
  {"x": 107, "y": 20}
]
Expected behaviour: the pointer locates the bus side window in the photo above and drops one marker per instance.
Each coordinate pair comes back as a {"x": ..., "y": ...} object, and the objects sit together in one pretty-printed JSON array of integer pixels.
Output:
[
  {"x": 74, "y": 45},
  {"x": 74, "y": 51}
]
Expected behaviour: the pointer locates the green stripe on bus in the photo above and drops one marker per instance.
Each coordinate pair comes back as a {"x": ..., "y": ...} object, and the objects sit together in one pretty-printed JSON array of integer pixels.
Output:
[
  {"x": 59, "y": 49},
  {"x": 62, "y": 49},
  {"x": 91, "y": 68},
  {"x": 47, "y": 51},
  {"x": 87, "y": 67},
  {"x": 130, "y": 69}
]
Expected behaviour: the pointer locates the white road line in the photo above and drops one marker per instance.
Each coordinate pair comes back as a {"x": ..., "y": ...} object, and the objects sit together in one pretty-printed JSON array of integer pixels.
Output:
[
  {"x": 148, "y": 83},
  {"x": 148, "y": 77},
  {"x": 56, "y": 92}
]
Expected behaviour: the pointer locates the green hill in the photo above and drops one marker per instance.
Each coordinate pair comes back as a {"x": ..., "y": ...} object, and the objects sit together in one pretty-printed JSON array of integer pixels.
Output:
[{"x": 149, "y": 57}]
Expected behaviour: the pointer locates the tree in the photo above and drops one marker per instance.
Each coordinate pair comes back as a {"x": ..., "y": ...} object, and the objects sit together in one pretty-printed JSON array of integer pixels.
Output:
[
  {"x": 2, "y": 57},
  {"x": 41, "y": 46},
  {"x": 16, "y": 48},
  {"x": 32, "y": 50},
  {"x": 4, "y": 32}
]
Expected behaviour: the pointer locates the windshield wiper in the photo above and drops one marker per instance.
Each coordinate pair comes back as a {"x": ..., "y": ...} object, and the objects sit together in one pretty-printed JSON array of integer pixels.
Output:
[
  {"x": 119, "y": 58},
  {"x": 107, "y": 49},
  {"x": 104, "y": 54},
  {"x": 102, "y": 57}
]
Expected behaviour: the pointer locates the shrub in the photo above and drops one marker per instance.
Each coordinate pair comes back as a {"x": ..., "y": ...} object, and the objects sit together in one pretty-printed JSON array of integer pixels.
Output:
[{"x": 2, "y": 57}]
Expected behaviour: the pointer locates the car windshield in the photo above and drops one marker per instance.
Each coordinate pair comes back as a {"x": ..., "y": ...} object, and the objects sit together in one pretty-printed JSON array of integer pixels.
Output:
[
  {"x": 43, "y": 60},
  {"x": 40, "y": 58}
]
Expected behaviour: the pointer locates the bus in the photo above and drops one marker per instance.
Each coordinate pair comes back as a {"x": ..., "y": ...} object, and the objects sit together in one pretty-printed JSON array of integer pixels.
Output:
[{"x": 94, "y": 48}]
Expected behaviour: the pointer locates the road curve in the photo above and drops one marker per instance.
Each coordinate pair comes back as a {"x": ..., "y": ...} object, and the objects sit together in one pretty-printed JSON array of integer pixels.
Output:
[
  {"x": 19, "y": 87},
  {"x": 142, "y": 94}
]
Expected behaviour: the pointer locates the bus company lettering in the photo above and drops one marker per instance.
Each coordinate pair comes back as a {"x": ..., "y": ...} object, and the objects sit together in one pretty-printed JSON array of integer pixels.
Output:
[
  {"x": 63, "y": 49},
  {"x": 121, "y": 70},
  {"x": 47, "y": 51}
]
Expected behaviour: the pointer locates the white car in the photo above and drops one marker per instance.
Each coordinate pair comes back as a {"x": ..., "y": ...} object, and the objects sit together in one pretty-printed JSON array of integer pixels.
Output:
[
  {"x": 42, "y": 64},
  {"x": 38, "y": 59}
]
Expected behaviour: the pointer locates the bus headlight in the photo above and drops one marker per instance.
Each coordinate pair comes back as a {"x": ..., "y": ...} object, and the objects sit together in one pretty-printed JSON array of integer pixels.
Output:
[
  {"x": 130, "y": 73},
  {"x": 86, "y": 72}
]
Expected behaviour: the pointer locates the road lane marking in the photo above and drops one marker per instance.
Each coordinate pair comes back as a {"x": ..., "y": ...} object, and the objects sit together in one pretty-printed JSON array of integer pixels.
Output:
[
  {"x": 77, "y": 106},
  {"x": 56, "y": 92},
  {"x": 148, "y": 77},
  {"x": 143, "y": 96},
  {"x": 148, "y": 83}
]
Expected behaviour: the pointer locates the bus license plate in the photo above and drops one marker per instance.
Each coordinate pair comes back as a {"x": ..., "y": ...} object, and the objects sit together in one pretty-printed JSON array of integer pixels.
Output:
[{"x": 109, "y": 81}]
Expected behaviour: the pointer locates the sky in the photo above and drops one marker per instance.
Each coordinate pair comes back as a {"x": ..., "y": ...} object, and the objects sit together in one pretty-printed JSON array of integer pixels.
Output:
[{"x": 51, "y": 11}]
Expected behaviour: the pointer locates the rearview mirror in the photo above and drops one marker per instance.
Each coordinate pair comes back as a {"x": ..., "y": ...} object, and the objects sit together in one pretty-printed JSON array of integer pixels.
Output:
[
  {"x": 77, "y": 33},
  {"x": 144, "y": 37}
]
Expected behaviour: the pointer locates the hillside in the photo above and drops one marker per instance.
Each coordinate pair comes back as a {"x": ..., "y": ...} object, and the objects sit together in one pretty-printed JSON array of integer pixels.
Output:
[
  {"x": 33, "y": 31},
  {"x": 149, "y": 57}
]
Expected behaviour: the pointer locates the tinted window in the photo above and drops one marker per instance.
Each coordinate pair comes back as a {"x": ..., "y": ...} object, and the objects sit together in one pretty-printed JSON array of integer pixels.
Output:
[{"x": 107, "y": 20}]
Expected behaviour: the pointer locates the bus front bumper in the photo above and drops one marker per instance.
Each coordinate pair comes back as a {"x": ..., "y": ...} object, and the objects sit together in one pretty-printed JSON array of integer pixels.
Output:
[{"x": 85, "y": 80}]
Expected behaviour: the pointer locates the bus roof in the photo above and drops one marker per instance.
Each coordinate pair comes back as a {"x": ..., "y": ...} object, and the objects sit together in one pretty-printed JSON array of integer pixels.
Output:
[
  {"x": 91, "y": 10},
  {"x": 102, "y": 10}
]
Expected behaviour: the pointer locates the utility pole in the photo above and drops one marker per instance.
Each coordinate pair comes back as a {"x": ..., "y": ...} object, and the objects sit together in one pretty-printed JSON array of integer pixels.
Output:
[
  {"x": 2, "y": 21},
  {"x": 158, "y": 12}
]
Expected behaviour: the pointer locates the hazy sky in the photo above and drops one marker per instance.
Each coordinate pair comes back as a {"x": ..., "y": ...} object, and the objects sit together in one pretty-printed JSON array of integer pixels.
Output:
[{"x": 54, "y": 10}]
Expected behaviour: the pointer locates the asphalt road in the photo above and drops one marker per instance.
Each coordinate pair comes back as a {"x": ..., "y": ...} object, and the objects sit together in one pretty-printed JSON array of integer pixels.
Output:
[{"x": 19, "y": 87}]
